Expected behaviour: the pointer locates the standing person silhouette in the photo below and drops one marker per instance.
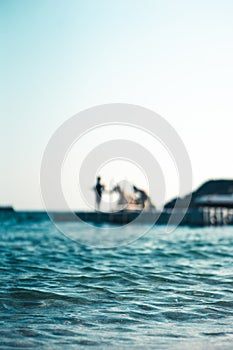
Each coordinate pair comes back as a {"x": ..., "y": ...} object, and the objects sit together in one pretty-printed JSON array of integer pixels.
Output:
[{"x": 98, "y": 192}]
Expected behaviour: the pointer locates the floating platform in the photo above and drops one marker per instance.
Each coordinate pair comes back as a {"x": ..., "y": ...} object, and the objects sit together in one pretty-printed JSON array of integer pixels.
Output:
[
  {"x": 202, "y": 216},
  {"x": 129, "y": 216}
]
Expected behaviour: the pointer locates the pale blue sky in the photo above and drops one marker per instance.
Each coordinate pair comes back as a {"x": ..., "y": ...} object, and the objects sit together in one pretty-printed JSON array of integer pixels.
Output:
[{"x": 60, "y": 57}]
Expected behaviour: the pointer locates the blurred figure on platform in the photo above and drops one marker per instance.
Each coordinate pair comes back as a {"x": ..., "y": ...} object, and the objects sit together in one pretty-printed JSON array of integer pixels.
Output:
[
  {"x": 99, "y": 188},
  {"x": 141, "y": 196},
  {"x": 143, "y": 199},
  {"x": 122, "y": 201}
]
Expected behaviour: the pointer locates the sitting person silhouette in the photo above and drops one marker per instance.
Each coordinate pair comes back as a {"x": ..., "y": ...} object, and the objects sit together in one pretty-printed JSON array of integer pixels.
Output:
[
  {"x": 122, "y": 201},
  {"x": 142, "y": 197}
]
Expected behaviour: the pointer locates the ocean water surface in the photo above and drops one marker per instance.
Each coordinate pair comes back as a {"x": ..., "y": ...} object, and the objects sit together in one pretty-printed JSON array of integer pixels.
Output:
[{"x": 163, "y": 291}]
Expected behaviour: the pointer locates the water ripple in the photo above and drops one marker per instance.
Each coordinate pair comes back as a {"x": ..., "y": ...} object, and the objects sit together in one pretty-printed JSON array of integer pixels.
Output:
[{"x": 173, "y": 290}]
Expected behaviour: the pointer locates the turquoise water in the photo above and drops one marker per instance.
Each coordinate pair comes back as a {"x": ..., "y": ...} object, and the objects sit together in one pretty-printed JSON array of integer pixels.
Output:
[{"x": 164, "y": 291}]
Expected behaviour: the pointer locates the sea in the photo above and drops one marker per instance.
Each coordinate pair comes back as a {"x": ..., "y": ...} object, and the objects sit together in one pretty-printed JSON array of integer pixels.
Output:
[{"x": 161, "y": 290}]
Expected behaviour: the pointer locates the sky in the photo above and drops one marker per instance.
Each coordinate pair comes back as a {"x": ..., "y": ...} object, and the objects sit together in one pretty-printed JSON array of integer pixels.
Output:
[{"x": 60, "y": 57}]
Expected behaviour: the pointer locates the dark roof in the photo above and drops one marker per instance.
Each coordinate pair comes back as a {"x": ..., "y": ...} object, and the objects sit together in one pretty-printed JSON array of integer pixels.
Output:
[{"x": 211, "y": 187}]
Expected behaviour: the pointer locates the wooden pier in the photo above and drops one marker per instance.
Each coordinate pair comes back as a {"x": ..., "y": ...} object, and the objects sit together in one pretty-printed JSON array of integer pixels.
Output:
[
  {"x": 217, "y": 210},
  {"x": 202, "y": 216}
]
